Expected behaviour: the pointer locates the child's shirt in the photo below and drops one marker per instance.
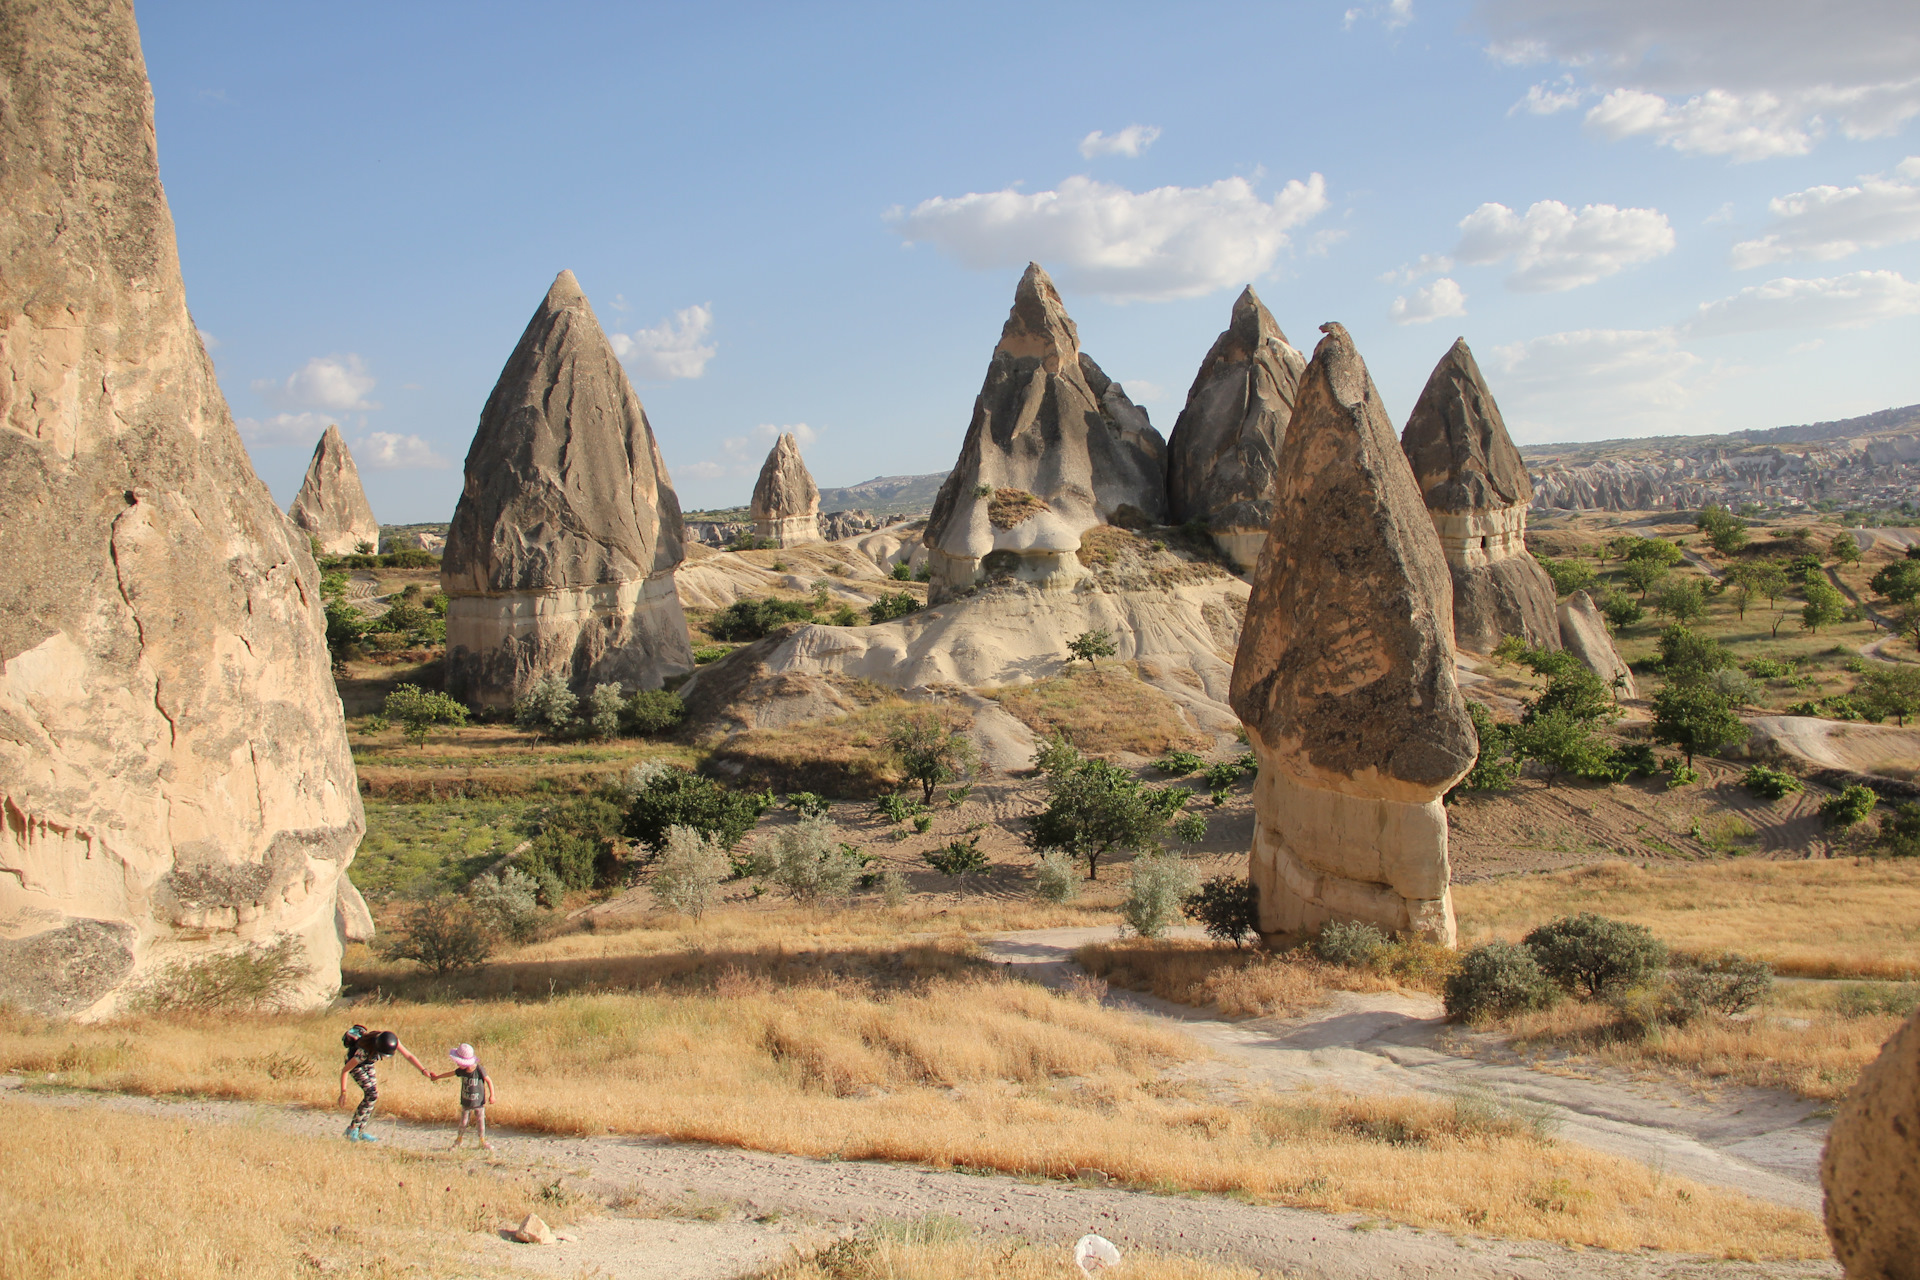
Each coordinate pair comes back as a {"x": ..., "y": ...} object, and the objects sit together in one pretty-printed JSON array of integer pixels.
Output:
[{"x": 473, "y": 1087}]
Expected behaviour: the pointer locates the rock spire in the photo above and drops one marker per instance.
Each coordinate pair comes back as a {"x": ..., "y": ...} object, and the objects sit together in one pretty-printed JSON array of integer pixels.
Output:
[
  {"x": 1870, "y": 1170},
  {"x": 786, "y": 502},
  {"x": 1225, "y": 446},
  {"x": 560, "y": 557},
  {"x": 1345, "y": 674},
  {"x": 174, "y": 769},
  {"x": 1477, "y": 492},
  {"x": 331, "y": 507},
  {"x": 1055, "y": 447}
]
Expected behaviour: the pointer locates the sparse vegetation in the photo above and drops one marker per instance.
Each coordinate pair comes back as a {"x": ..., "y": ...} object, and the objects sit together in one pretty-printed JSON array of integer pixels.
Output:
[
  {"x": 1227, "y": 907},
  {"x": 930, "y": 749},
  {"x": 1094, "y": 807},
  {"x": 1497, "y": 979},
  {"x": 261, "y": 978},
  {"x": 1089, "y": 646},
  {"x": 1157, "y": 887}
]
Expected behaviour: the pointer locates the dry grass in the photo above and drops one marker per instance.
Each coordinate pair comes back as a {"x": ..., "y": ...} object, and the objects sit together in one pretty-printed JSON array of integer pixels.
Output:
[
  {"x": 1102, "y": 711},
  {"x": 951, "y": 1071},
  {"x": 1009, "y": 507},
  {"x": 847, "y": 756},
  {"x": 943, "y": 1249},
  {"x": 89, "y": 1193},
  {"x": 1833, "y": 918},
  {"x": 1240, "y": 983}
]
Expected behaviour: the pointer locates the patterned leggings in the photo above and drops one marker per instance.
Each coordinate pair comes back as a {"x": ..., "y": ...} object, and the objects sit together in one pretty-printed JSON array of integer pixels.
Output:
[{"x": 369, "y": 1094}]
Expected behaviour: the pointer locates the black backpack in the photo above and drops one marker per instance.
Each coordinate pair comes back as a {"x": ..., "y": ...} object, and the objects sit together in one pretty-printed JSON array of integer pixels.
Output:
[{"x": 351, "y": 1040}]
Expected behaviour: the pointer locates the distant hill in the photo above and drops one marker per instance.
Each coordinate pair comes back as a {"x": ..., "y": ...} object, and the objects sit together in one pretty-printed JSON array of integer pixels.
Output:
[
  {"x": 1886, "y": 421},
  {"x": 886, "y": 495}
]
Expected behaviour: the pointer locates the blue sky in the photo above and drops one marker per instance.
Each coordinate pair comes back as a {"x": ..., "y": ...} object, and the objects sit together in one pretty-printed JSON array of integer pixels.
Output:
[{"x": 1645, "y": 217}]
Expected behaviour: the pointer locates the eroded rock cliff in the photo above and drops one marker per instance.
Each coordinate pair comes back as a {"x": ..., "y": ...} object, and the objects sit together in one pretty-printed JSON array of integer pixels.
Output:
[
  {"x": 1871, "y": 1169},
  {"x": 331, "y": 507}
]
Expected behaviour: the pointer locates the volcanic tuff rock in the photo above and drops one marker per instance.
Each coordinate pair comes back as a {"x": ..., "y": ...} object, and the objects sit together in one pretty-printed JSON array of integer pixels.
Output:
[
  {"x": 1583, "y": 633},
  {"x": 1225, "y": 446},
  {"x": 786, "y": 502},
  {"x": 1345, "y": 674},
  {"x": 561, "y": 554},
  {"x": 174, "y": 773},
  {"x": 1054, "y": 448},
  {"x": 1476, "y": 489},
  {"x": 1871, "y": 1169},
  {"x": 331, "y": 507}
]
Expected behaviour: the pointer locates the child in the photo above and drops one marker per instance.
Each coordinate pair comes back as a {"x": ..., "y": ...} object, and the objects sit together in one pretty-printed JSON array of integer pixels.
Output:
[
  {"x": 476, "y": 1092},
  {"x": 364, "y": 1049}
]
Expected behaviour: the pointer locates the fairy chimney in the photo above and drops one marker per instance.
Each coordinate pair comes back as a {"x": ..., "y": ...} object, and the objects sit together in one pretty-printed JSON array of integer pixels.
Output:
[
  {"x": 331, "y": 507},
  {"x": 786, "y": 502}
]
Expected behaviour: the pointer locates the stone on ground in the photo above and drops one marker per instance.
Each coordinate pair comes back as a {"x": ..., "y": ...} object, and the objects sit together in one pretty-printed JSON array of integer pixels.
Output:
[
  {"x": 331, "y": 507},
  {"x": 1583, "y": 633},
  {"x": 1477, "y": 492},
  {"x": 1345, "y": 674},
  {"x": 533, "y": 1230},
  {"x": 1055, "y": 447},
  {"x": 173, "y": 759},
  {"x": 1871, "y": 1169},
  {"x": 1225, "y": 447},
  {"x": 561, "y": 554},
  {"x": 786, "y": 502}
]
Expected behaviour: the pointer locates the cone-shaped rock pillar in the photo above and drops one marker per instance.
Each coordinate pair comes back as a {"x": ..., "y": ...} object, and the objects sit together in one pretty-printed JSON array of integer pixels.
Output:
[
  {"x": 786, "y": 502},
  {"x": 331, "y": 507},
  {"x": 1225, "y": 446},
  {"x": 1870, "y": 1170},
  {"x": 174, "y": 771},
  {"x": 1345, "y": 674},
  {"x": 1477, "y": 491},
  {"x": 560, "y": 557},
  {"x": 1054, "y": 448}
]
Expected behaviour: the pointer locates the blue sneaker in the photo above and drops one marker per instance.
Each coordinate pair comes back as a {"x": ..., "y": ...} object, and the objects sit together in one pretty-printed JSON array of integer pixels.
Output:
[
  {"x": 353, "y": 1134},
  {"x": 367, "y": 1137}
]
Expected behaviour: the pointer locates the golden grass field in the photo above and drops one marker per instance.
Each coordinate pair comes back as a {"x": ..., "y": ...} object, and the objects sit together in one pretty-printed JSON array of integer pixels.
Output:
[
  {"x": 1101, "y": 711},
  {"x": 946, "y": 1250},
  {"x": 91, "y": 1193}
]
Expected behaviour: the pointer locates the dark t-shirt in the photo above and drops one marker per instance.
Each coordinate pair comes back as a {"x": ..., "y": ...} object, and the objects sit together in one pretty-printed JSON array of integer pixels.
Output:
[{"x": 473, "y": 1086}]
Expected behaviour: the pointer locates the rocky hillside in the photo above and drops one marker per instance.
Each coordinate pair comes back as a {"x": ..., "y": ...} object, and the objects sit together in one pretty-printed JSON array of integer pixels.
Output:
[
  {"x": 886, "y": 495},
  {"x": 1869, "y": 463}
]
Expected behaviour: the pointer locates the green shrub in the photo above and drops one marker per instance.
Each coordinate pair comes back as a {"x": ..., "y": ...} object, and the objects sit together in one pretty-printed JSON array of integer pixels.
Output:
[
  {"x": 889, "y": 607},
  {"x": 922, "y": 823},
  {"x": 1769, "y": 784},
  {"x": 1621, "y": 609},
  {"x": 442, "y": 936},
  {"x": 567, "y": 857},
  {"x": 688, "y": 874},
  {"x": 1155, "y": 891},
  {"x": 1054, "y": 877},
  {"x": 418, "y": 711},
  {"x": 808, "y": 804},
  {"x": 1180, "y": 763},
  {"x": 662, "y": 796},
  {"x": 1877, "y": 999},
  {"x": 1568, "y": 576},
  {"x": 1494, "y": 765},
  {"x": 753, "y": 619},
  {"x": 1227, "y": 907},
  {"x": 265, "y": 977},
  {"x": 1350, "y": 943},
  {"x": 1596, "y": 954},
  {"x": 1190, "y": 828},
  {"x": 1091, "y": 645},
  {"x": 1849, "y": 807},
  {"x": 605, "y": 705},
  {"x": 508, "y": 905},
  {"x": 1727, "y": 984},
  {"x": 1495, "y": 980},
  {"x": 1222, "y": 775},
  {"x": 1900, "y": 831},
  {"x": 1769, "y": 669},
  {"x": 902, "y": 572},
  {"x": 546, "y": 708},
  {"x": 898, "y": 807},
  {"x": 705, "y": 653},
  {"x": 957, "y": 857},
  {"x": 810, "y": 864},
  {"x": 651, "y": 711}
]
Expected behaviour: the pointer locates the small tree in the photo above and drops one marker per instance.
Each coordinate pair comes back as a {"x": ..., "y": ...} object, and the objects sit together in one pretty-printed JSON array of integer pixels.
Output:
[
  {"x": 1644, "y": 574},
  {"x": 687, "y": 877},
  {"x": 1907, "y": 622},
  {"x": 442, "y": 936},
  {"x": 1578, "y": 692},
  {"x": 1825, "y": 605},
  {"x": 1850, "y": 807},
  {"x": 1564, "y": 743},
  {"x": 1899, "y": 581},
  {"x": 1681, "y": 599},
  {"x": 1845, "y": 548},
  {"x": 546, "y": 708},
  {"x": 1596, "y": 953},
  {"x": 1568, "y": 576},
  {"x": 1155, "y": 890},
  {"x": 651, "y": 711},
  {"x": 1089, "y": 645},
  {"x": 1900, "y": 831},
  {"x": 1726, "y": 531},
  {"x": 1494, "y": 767},
  {"x": 1622, "y": 610},
  {"x": 1696, "y": 718},
  {"x": 1655, "y": 550},
  {"x": 418, "y": 711},
  {"x": 810, "y": 864},
  {"x": 1891, "y": 691},
  {"x": 606, "y": 706},
  {"x": 1094, "y": 807},
  {"x": 507, "y": 904},
  {"x": 661, "y": 797},
  {"x": 1227, "y": 907},
  {"x": 929, "y": 750}
]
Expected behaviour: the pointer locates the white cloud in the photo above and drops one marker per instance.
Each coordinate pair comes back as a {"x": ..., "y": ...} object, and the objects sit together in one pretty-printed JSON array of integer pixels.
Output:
[
  {"x": 1140, "y": 391},
  {"x": 1170, "y": 242},
  {"x": 1428, "y": 264},
  {"x": 1824, "y": 223},
  {"x": 1550, "y": 98},
  {"x": 1592, "y": 383},
  {"x": 207, "y": 340},
  {"x": 1393, "y": 15},
  {"x": 1320, "y": 243},
  {"x": 386, "y": 451},
  {"x": 675, "y": 348},
  {"x": 1746, "y": 79},
  {"x": 1129, "y": 142},
  {"x": 1554, "y": 248},
  {"x": 1436, "y": 301},
  {"x": 744, "y": 455},
  {"x": 284, "y": 430},
  {"x": 339, "y": 383},
  {"x": 1838, "y": 302}
]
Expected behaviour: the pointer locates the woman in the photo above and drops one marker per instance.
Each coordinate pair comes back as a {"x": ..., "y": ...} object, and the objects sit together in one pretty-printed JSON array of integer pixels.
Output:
[{"x": 364, "y": 1049}]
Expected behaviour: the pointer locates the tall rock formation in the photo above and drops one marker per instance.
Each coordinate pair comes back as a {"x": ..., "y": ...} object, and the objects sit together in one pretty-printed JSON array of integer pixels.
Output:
[
  {"x": 1871, "y": 1168},
  {"x": 786, "y": 502},
  {"x": 174, "y": 774},
  {"x": 1583, "y": 633},
  {"x": 331, "y": 507},
  {"x": 1477, "y": 491},
  {"x": 1054, "y": 448},
  {"x": 560, "y": 557},
  {"x": 1345, "y": 674},
  {"x": 1225, "y": 446}
]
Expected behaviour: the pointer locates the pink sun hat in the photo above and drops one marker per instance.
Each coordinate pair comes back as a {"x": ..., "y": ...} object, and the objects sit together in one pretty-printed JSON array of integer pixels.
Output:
[{"x": 464, "y": 1057}]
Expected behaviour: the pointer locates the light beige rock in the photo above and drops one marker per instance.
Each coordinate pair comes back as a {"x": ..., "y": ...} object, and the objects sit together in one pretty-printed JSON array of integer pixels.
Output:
[
  {"x": 1583, "y": 633},
  {"x": 1871, "y": 1169},
  {"x": 786, "y": 502},
  {"x": 174, "y": 773},
  {"x": 1344, "y": 676},
  {"x": 561, "y": 553},
  {"x": 331, "y": 507},
  {"x": 533, "y": 1230}
]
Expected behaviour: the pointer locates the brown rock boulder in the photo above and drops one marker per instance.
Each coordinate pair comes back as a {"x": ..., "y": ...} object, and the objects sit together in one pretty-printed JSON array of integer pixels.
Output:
[
  {"x": 786, "y": 502},
  {"x": 331, "y": 507},
  {"x": 560, "y": 557},
  {"x": 1225, "y": 447},
  {"x": 1345, "y": 674},
  {"x": 174, "y": 771},
  {"x": 1583, "y": 633},
  {"x": 1871, "y": 1169},
  {"x": 1477, "y": 491},
  {"x": 1054, "y": 431}
]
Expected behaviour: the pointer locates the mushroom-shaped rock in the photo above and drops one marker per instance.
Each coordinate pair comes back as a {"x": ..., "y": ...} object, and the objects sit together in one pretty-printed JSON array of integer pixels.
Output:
[
  {"x": 1871, "y": 1169},
  {"x": 174, "y": 772},
  {"x": 560, "y": 557},
  {"x": 786, "y": 502},
  {"x": 1477, "y": 492},
  {"x": 1225, "y": 446},
  {"x": 331, "y": 507},
  {"x": 1345, "y": 674},
  {"x": 1583, "y": 633},
  {"x": 1052, "y": 437}
]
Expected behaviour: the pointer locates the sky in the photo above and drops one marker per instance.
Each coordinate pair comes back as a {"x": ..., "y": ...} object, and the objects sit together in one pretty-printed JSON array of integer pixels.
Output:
[{"x": 1644, "y": 217}]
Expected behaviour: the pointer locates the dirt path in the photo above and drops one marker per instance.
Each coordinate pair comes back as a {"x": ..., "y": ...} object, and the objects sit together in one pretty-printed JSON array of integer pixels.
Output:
[
  {"x": 1762, "y": 1143},
  {"x": 743, "y": 1188}
]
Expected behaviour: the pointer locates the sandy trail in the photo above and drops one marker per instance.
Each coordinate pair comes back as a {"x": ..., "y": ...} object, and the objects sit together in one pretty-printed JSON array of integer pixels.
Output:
[{"x": 1763, "y": 1143}]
